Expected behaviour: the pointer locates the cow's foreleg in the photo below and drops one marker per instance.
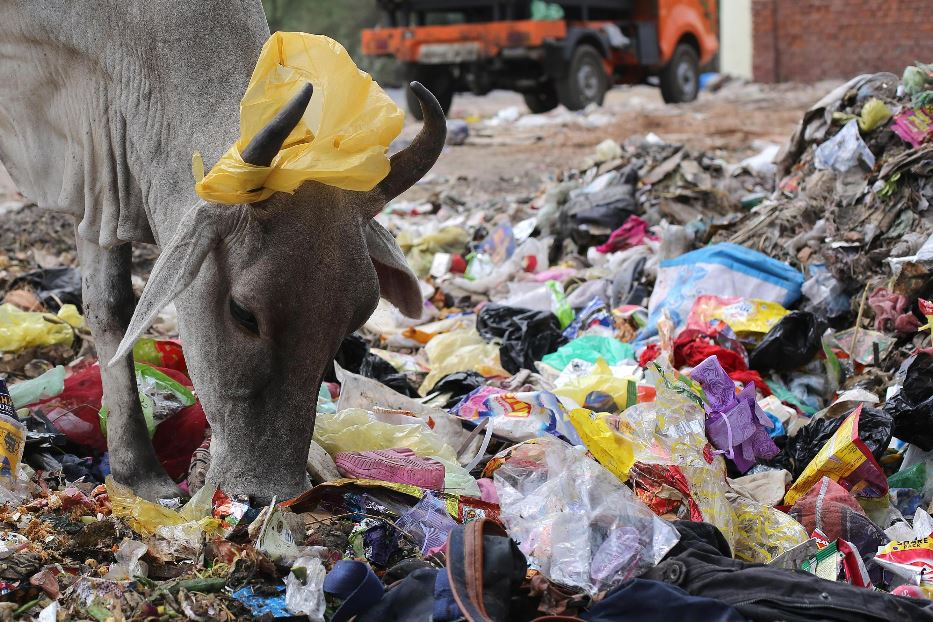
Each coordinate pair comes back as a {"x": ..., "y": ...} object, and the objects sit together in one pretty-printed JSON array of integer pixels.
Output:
[{"x": 108, "y": 307}]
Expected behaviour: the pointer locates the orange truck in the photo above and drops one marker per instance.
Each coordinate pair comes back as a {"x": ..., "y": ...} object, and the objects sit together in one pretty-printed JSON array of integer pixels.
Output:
[{"x": 566, "y": 52}]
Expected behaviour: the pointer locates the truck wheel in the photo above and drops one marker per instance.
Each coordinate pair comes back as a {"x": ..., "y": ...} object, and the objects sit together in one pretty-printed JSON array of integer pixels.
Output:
[
  {"x": 438, "y": 80},
  {"x": 542, "y": 100},
  {"x": 680, "y": 78},
  {"x": 586, "y": 81}
]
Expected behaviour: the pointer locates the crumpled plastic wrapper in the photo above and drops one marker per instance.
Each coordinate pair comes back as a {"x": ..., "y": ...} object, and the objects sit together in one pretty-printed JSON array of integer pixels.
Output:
[{"x": 576, "y": 522}]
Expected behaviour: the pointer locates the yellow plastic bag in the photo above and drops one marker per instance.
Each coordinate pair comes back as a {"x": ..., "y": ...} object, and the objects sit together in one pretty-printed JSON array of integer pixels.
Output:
[
  {"x": 341, "y": 141},
  {"x": 746, "y": 316},
  {"x": 624, "y": 391},
  {"x": 145, "y": 517},
  {"x": 356, "y": 430},
  {"x": 460, "y": 350},
  {"x": 610, "y": 448},
  {"x": 761, "y": 531},
  {"x": 28, "y": 329}
]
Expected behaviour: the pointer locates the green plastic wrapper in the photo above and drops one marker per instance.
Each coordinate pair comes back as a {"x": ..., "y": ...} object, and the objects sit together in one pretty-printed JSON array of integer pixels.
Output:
[
  {"x": 559, "y": 305},
  {"x": 590, "y": 348},
  {"x": 914, "y": 477}
]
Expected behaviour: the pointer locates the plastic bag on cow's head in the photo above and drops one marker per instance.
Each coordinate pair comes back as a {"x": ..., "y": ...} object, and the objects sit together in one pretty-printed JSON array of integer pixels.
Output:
[{"x": 341, "y": 139}]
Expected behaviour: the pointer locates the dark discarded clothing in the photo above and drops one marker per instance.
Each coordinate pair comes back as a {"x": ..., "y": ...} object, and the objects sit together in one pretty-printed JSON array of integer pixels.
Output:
[
  {"x": 653, "y": 601},
  {"x": 764, "y": 593}
]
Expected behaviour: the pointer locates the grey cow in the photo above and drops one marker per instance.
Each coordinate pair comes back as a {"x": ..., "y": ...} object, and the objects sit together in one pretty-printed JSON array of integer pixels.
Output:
[{"x": 102, "y": 103}]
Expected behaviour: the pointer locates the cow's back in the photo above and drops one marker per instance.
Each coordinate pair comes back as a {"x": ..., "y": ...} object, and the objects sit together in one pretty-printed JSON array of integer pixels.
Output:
[{"x": 102, "y": 103}]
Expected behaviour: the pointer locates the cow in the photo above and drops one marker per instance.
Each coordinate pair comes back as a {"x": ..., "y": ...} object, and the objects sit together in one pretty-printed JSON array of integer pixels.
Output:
[{"x": 102, "y": 103}]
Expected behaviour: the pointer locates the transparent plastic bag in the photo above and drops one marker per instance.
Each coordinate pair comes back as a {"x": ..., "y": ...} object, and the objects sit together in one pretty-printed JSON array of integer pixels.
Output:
[
  {"x": 145, "y": 517},
  {"x": 304, "y": 588},
  {"x": 672, "y": 431},
  {"x": 763, "y": 532},
  {"x": 341, "y": 140},
  {"x": 574, "y": 520}
]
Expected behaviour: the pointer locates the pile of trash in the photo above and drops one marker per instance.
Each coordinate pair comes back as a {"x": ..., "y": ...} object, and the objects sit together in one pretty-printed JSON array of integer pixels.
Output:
[{"x": 670, "y": 386}]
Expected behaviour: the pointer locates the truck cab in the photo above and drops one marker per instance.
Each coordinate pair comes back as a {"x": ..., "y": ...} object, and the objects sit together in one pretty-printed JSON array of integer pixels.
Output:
[{"x": 566, "y": 52}]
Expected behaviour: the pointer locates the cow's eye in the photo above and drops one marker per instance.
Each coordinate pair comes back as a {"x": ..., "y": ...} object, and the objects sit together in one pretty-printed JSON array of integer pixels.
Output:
[{"x": 246, "y": 319}]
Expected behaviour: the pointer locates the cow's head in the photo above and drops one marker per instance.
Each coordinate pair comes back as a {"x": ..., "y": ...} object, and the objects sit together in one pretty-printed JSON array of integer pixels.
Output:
[{"x": 265, "y": 294}]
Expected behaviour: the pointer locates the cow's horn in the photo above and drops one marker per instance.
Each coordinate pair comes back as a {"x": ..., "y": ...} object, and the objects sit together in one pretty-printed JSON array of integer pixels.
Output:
[
  {"x": 413, "y": 162},
  {"x": 266, "y": 143}
]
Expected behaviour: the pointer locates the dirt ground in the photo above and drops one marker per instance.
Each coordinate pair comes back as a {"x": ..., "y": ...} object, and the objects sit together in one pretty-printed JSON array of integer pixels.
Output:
[{"x": 515, "y": 158}]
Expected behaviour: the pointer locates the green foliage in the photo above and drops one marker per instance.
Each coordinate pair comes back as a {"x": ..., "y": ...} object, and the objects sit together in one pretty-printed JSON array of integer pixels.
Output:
[{"x": 342, "y": 20}]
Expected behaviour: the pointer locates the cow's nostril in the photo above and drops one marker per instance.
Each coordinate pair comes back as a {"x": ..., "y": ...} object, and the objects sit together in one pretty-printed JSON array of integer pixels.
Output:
[{"x": 246, "y": 319}]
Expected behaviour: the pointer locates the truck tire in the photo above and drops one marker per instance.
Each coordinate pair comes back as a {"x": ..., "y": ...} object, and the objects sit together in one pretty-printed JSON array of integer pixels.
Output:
[
  {"x": 680, "y": 78},
  {"x": 586, "y": 81},
  {"x": 542, "y": 100},
  {"x": 438, "y": 80}
]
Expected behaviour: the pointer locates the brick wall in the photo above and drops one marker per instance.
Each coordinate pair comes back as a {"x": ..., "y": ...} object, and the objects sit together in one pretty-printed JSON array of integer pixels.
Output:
[{"x": 817, "y": 39}]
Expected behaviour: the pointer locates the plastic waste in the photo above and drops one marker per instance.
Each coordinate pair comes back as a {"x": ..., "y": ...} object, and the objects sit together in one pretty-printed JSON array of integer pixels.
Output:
[
  {"x": 672, "y": 453},
  {"x": 576, "y": 522},
  {"x": 525, "y": 335},
  {"x": 357, "y": 430},
  {"x": 461, "y": 350},
  {"x": 845, "y": 459},
  {"x": 791, "y": 343},
  {"x": 844, "y": 150},
  {"x": 912, "y": 407},
  {"x": 525, "y": 415},
  {"x": 23, "y": 329},
  {"x": 609, "y": 445},
  {"x": 359, "y": 392},
  {"x": 735, "y": 425},
  {"x": 559, "y": 305},
  {"x": 428, "y": 523},
  {"x": 723, "y": 270},
  {"x": 304, "y": 588},
  {"x": 48, "y": 385},
  {"x": 14, "y": 438},
  {"x": 146, "y": 518},
  {"x": 53, "y": 286},
  {"x": 746, "y": 317},
  {"x": 875, "y": 428},
  {"x": 762, "y": 532},
  {"x": 400, "y": 465},
  {"x": 128, "y": 563},
  {"x": 160, "y": 397},
  {"x": 875, "y": 113},
  {"x": 590, "y": 348},
  {"x": 599, "y": 377},
  {"x": 346, "y": 103}
]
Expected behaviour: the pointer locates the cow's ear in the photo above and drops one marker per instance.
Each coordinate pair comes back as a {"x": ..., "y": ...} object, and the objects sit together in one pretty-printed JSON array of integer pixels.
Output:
[
  {"x": 397, "y": 283},
  {"x": 199, "y": 231}
]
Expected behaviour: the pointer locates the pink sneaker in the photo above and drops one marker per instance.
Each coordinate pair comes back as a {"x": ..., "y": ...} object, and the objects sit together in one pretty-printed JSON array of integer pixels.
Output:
[{"x": 401, "y": 466}]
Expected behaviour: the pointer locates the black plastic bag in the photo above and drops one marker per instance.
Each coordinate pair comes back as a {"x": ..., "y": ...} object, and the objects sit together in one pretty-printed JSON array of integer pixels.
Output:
[
  {"x": 53, "y": 286},
  {"x": 791, "y": 343},
  {"x": 377, "y": 368},
  {"x": 353, "y": 350},
  {"x": 458, "y": 384},
  {"x": 526, "y": 335},
  {"x": 912, "y": 408},
  {"x": 875, "y": 428}
]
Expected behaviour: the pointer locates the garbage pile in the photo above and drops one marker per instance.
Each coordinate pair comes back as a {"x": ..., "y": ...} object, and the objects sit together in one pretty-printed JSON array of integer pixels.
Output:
[{"x": 670, "y": 386}]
